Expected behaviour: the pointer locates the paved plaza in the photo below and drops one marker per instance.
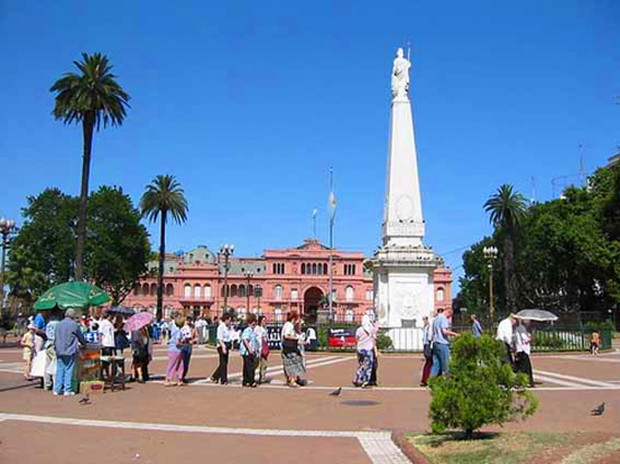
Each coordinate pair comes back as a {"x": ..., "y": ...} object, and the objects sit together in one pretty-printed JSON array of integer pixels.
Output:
[{"x": 151, "y": 423}]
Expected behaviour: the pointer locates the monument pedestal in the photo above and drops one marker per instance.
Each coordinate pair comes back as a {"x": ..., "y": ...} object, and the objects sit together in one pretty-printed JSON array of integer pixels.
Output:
[{"x": 403, "y": 282}]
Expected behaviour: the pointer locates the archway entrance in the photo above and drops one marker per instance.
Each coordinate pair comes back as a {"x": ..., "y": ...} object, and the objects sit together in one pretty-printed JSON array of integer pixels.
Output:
[{"x": 312, "y": 302}]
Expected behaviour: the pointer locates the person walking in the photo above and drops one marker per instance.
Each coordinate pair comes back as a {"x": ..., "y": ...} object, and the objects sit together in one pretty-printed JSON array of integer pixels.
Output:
[
  {"x": 249, "y": 350},
  {"x": 50, "y": 351},
  {"x": 427, "y": 339},
  {"x": 476, "y": 327},
  {"x": 366, "y": 337},
  {"x": 441, "y": 345},
  {"x": 67, "y": 342},
  {"x": 174, "y": 371},
  {"x": 223, "y": 350},
  {"x": 263, "y": 356},
  {"x": 188, "y": 334},
  {"x": 505, "y": 335},
  {"x": 292, "y": 361},
  {"x": 108, "y": 344},
  {"x": 595, "y": 343},
  {"x": 523, "y": 350}
]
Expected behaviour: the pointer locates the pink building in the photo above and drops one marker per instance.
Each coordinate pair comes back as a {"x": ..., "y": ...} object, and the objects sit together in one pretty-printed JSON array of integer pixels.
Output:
[{"x": 281, "y": 280}]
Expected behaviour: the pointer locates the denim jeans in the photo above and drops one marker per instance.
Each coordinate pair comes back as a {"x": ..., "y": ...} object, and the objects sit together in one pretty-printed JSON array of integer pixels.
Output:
[
  {"x": 441, "y": 359},
  {"x": 65, "y": 366}
]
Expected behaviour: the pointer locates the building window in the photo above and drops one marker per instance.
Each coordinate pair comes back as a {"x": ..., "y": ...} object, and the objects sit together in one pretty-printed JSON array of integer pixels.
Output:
[
  {"x": 278, "y": 268},
  {"x": 349, "y": 315},
  {"x": 197, "y": 291},
  {"x": 278, "y": 314},
  {"x": 207, "y": 291},
  {"x": 137, "y": 289},
  {"x": 242, "y": 290},
  {"x": 169, "y": 289},
  {"x": 258, "y": 291},
  {"x": 369, "y": 295},
  {"x": 278, "y": 292},
  {"x": 349, "y": 269},
  {"x": 233, "y": 290},
  {"x": 153, "y": 290},
  {"x": 303, "y": 268},
  {"x": 334, "y": 295},
  {"x": 187, "y": 291},
  {"x": 324, "y": 268},
  {"x": 294, "y": 294},
  {"x": 349, "y": 293},
  {"x": 440, "y": 294}
]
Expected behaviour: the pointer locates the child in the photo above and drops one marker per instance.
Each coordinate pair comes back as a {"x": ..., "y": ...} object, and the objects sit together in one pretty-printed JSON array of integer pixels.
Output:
[
  {"x": 27, "y": 342},
  {"x": 595, "y": 342}
]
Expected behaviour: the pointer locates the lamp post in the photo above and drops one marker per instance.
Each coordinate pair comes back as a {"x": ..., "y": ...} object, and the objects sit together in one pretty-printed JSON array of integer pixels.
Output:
[
  {"x": 490, "y": 253},
  {"x": 227, "y": 251},
  {"x": 248, "y": 276},
  {"x": 258, "y": 292},
  {"x": 6, "y": 227}
]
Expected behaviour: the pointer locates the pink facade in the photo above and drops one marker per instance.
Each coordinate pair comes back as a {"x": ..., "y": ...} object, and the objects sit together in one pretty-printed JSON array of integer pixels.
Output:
[{"x": 279, "y": 281}]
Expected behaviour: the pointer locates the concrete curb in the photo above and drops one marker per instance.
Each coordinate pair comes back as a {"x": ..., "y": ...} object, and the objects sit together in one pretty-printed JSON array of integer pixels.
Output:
[{"x": 412, "y": 453}]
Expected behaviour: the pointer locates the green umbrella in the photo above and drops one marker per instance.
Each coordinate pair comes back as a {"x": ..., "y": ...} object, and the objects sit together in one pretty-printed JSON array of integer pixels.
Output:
[{"x": 78, "y": 295}]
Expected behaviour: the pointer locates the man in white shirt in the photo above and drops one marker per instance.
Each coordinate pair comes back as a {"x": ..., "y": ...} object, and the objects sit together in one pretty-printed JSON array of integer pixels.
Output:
[
  {"x": 106, "y": 329},
  {"x": 504, "y": 335},
  {"x": 223, "y": 349}
]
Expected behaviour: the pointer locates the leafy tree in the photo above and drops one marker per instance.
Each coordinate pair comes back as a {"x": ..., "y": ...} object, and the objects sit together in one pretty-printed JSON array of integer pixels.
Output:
[
  {"x": 163, "y": 196},
  {"x": 41, "y": 254},
  {"x": 118, "y": 247},
  {"x": 92, "y": 98},
  {"x": 480, "y": 389},
  {"x": 507, "y": 209}
]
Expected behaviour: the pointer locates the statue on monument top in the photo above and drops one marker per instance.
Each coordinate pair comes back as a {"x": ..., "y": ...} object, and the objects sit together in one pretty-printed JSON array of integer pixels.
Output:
[{"x": 400, "y": 75}]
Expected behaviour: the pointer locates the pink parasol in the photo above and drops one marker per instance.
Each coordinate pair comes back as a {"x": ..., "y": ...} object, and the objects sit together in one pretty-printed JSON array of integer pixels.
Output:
[{"x": 137, "y": 321}]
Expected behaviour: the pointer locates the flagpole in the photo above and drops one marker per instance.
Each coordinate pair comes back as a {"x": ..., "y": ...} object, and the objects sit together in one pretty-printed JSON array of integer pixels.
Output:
[
  {"x": 314, "y": 223},
  {"x": 331, "y": 247}
]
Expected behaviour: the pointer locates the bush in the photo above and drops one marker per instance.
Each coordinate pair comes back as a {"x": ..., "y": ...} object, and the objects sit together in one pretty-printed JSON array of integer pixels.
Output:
[
  {"x": 384, "y": 342},
  {"x": 480, "y": 389}
]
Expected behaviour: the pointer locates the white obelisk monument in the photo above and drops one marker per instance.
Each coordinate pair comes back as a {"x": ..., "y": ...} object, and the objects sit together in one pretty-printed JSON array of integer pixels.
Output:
[{"x": 403, "y": 266}]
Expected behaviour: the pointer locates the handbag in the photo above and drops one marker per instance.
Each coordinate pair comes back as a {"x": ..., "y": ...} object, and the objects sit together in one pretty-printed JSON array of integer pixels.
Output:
[
  {"x": 289, "y": 346},
  {"x": 264, "y": 349}
]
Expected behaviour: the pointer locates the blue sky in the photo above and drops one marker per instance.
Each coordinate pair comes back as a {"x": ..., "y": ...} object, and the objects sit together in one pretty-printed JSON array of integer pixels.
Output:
[{"x": 250, "y": 103}]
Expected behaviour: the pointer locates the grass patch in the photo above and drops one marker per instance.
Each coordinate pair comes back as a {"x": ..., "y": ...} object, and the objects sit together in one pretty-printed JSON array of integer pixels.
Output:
[{"x": 489, "y": 448}]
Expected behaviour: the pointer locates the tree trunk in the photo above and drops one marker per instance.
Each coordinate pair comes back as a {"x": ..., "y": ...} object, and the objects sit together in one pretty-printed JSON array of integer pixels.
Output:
[
  {"x": 160, "y": 273},
  {"x": 88, "y": 125}
]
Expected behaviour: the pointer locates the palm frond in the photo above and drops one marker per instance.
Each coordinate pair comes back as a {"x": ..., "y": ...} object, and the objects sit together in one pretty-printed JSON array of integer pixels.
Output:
[
  {"x": 93, "y": 91},
  {"x": 164, "y": 194}
]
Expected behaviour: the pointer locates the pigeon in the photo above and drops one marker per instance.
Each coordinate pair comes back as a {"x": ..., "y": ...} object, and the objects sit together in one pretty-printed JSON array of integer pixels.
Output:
[
  {"x": 85, "y": 400},
  {"x": 599, "y": 410},
  {"x": 336, "y": 392}
]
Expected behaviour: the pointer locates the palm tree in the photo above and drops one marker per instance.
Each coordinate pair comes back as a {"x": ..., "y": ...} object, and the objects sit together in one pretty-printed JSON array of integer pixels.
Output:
[
  {"x": 91, "y": 97},
  {"x": 163, "y": 196},
  {"x": 507, "y": 209}
]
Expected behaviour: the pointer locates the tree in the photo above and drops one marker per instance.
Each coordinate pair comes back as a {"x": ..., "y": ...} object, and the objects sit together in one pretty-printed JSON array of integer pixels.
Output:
[
  {"x": 118, "y": 248},
  {"x": 42, "y": 252},
  {"x": 506, "y": 210},
  {"x": 92, "y": 98},
  {"x": 480, "y": 389},
  {"x": 163, "y": 196}
]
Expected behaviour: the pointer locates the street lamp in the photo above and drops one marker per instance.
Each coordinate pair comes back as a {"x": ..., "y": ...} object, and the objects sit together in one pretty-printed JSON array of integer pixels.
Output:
[
  {"x": 490, "y": 253},
  {"x": 6, "y": 227},
  {"x": 248, "y": 276},
  {"x": 226, "y": 251}
]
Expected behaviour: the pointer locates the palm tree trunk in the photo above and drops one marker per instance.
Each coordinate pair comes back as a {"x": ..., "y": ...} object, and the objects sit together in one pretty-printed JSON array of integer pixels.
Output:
[
  {"x": 88, "y": 125},
  {"x": 160, "y": 274}
]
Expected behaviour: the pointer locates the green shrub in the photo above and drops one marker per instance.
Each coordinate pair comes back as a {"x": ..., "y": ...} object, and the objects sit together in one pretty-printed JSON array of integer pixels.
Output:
[
  {"x": 384, "y": 342},
  {"x": 480, "y": 389}
]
